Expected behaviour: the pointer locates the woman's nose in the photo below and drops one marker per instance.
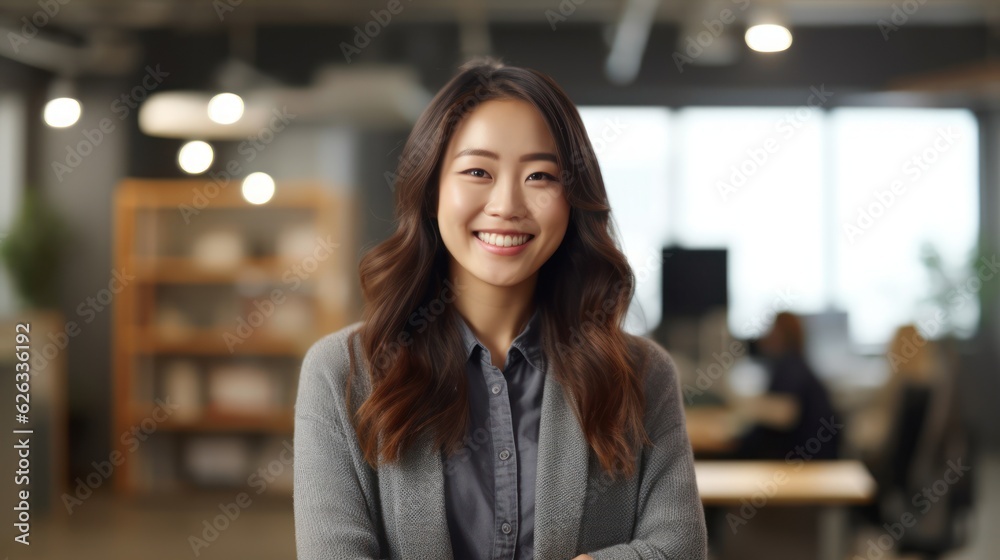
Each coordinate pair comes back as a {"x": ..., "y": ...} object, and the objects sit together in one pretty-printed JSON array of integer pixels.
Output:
[{"x": 506, "y": 199}]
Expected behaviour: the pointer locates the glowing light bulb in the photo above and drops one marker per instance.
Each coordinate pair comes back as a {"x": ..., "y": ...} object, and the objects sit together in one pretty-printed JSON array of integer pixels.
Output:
[
  {"x": 768, "y": 37},
  {"x": 258, "y": 188},
  {"x": 195, "y": 157},
  {"x": 62, "y": 112},
  {"x": 225, "y": 108}
]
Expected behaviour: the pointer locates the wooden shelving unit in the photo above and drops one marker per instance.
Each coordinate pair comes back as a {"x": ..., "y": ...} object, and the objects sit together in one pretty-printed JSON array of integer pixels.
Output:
[{"x": 218, "y": 320}]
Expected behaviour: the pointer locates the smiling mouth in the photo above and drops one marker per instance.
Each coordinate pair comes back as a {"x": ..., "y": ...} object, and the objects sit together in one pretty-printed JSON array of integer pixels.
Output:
[{"x": 503, "y": 240}]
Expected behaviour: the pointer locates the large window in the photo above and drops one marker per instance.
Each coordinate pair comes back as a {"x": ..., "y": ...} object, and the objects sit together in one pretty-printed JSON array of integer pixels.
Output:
[
  {"x": 630, "y": 146},
  {"x": 820, "y": 210}
]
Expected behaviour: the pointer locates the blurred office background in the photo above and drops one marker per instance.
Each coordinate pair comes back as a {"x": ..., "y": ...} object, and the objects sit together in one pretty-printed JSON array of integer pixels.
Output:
[{"x": 814, "y": 232}]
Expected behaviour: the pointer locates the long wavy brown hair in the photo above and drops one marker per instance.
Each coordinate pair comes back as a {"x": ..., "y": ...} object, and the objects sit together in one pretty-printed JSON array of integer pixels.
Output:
[{"x": 410, "y": 337}]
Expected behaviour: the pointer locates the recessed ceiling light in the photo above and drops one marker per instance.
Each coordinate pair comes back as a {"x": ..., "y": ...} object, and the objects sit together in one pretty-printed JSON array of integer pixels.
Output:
[{"x": 768, "y": 37}]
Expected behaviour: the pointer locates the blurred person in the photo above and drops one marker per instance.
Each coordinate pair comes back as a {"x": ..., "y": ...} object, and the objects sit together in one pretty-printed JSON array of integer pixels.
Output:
[
  {"x": 913, "y": 427},
  {"x": 796, "y": 407},
  {"x": 914, "y": 363},
  {"x": 491, "y": 356}
]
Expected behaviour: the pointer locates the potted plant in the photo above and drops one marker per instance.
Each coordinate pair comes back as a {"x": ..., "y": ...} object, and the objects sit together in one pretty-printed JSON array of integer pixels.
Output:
[{"x": 31, "y": 250}]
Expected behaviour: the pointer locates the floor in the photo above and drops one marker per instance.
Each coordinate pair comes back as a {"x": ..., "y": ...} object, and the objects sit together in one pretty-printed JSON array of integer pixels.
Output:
[
  {"x": 106, "y": 528},
  {"x": 984, "y": 538}
]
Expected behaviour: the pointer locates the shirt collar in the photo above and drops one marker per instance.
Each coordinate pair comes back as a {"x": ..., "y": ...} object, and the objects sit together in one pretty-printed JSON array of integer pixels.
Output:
[{"x": 528, "y": 342}]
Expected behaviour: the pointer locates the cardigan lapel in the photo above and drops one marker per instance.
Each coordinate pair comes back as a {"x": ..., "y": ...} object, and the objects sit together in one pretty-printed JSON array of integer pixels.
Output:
[
  {"x": 561, "y": 480},
  {"x": 417, "y": 484}
]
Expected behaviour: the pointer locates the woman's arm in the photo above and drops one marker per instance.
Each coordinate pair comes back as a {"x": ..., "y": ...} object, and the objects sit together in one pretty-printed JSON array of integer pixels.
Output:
[
  {"x": 670, "y": 520},
  {"x": 334, "y": 488}
]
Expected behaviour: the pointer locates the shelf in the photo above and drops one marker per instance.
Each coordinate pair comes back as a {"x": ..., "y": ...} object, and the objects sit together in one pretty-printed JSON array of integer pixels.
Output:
[
  {"x": 204, "y": 195},
  {"x": 182, "y": 310},
  {"x": 217, "y": 421},
  {"x": 183, "y": 270},
  {"x": 214, "y": 342}
]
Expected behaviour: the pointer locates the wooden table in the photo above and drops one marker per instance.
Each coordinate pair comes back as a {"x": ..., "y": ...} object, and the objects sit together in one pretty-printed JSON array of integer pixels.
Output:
[
  {"x": 753, "y": 485},
  {"x": 794, "y": 483}
]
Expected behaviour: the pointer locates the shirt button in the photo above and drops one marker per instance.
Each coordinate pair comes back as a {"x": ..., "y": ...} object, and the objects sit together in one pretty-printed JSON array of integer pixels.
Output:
[
  {"x": 504, "y": 455},
  {"x": 505, "y": 528},
  {"x": 495, "y": 389}
]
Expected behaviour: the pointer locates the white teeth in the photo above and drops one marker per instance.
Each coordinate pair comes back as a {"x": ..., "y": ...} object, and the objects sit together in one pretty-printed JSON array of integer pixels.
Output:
[{"x": 503, "y": 240}]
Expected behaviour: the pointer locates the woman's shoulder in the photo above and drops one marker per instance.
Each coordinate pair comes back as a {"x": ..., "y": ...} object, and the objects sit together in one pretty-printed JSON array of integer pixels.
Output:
[
  {"x": 324, "y": 373},
  {"x": 329, "y": 353},
  {"x": 654, "y": 361},
  {"x": 664, "y": 405}
]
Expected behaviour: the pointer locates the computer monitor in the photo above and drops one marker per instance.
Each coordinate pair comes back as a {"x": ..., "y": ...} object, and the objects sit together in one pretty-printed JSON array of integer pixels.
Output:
[{"x": 695, "y": 281}]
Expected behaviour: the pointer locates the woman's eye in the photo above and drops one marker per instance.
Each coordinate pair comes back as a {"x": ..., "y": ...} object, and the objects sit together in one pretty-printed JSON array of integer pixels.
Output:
[
  {"x": 479, "y": 173},
  {"x": 540, "y": 175}
]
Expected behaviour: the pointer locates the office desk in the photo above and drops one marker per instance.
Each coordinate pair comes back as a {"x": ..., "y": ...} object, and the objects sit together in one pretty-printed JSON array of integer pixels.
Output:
[{"x": 754, "y": 485}]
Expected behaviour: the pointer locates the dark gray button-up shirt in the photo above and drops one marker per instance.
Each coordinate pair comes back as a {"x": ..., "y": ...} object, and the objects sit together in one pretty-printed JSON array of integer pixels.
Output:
[{"x": 490, "y": 484}]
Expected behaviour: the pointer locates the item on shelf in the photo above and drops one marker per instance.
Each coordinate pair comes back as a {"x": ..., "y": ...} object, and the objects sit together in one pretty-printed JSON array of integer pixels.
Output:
[
  {"x": 223, "y": 311},
  {"x": 217, "y": 460},
  {"x": 296, "y": 243},
  {"x": 219, "y": 250},
  {"x": 243, "y": 389},
  {"x": 292, "y": 318},
  {"x": 172, "y": 324},
  {"x": 252, "y": 281},
  {"x": 182, "y": 384}
]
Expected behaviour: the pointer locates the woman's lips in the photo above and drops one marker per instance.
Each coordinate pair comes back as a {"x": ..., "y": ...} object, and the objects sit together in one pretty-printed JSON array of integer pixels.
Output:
[{"x": 503, "y": 251}]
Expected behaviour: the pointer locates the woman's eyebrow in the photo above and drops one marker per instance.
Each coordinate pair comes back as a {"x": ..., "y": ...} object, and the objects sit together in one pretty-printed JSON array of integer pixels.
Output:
[{"x": 537, "y": 156}]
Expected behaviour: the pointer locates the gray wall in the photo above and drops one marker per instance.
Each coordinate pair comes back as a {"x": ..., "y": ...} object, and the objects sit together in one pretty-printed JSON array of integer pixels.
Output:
[{"x": 83, "y": 197}]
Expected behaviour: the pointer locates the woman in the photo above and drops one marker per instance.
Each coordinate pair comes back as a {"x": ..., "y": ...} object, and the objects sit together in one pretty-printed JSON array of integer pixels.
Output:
[
  {"x": 795, "y": 420},
  {"x": 489, "y": 405}
]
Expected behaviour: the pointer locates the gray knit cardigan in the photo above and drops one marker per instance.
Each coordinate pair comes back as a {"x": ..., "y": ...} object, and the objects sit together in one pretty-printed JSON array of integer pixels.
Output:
[{"x": 345, "y": 510}]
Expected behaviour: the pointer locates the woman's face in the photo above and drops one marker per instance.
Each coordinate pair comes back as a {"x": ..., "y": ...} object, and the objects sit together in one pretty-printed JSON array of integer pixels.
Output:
[{"x": 501, "y": 209}]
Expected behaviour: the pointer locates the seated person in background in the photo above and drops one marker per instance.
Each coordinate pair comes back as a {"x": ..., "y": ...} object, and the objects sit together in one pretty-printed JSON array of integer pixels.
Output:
[
  {"x": 796, "y": 407},
  {"x": 914, "y": 365}
]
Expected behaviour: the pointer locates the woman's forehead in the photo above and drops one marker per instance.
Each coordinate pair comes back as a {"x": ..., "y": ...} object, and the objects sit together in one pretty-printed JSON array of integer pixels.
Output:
[{"x": 509, "y": 129}]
